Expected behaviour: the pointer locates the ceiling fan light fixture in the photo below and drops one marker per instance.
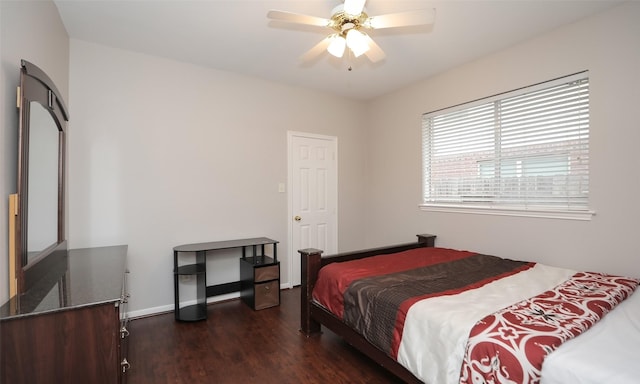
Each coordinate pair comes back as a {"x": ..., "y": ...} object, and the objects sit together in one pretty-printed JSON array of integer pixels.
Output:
[
  {"x": 357, "y": 42},
  {"x": 353, "y": 7},
  {"x": 336, "y": 45},
  {"x": 348, "y": 23}
]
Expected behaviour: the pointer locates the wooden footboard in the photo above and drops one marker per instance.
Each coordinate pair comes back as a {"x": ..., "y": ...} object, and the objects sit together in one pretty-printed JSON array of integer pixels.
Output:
[{"x": 313, "y": 315}]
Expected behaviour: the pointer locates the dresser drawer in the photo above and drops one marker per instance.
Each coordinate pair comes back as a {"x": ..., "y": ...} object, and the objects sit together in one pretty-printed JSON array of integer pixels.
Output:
[{"x": 267, "y": 273}]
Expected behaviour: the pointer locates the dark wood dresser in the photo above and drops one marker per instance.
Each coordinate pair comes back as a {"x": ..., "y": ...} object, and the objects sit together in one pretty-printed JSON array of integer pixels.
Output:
[{"x": 72, "y": 328}]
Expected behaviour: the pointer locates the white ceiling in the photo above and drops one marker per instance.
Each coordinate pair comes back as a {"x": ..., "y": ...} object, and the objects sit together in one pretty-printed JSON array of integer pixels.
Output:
[{"x": 235, "y": 35}]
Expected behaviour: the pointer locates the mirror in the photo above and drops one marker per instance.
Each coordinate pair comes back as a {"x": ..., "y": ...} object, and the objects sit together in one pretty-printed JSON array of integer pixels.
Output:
[
  {"x": 40, "y": 244},
  {"x": 42, "y": 210}
]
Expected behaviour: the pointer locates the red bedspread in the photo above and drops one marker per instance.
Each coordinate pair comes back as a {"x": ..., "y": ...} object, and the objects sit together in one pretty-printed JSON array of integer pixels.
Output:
[
  {"x": 334, "y": 279},
  {"x": 374, "y": 295}
]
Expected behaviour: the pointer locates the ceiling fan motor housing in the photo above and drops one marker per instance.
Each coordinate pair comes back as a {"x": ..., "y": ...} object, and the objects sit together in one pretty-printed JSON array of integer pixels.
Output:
[{"x": 342, "y": 22}]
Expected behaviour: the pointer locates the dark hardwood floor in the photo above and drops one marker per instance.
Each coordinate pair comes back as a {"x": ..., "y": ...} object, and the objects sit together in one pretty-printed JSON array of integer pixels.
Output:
[{"x": 239, "y": 345}]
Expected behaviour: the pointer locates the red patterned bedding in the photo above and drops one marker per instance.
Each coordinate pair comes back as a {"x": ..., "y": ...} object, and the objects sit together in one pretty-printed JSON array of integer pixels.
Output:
[
  {"x": 377, "y": 296},
  {"x": 509, "y": 346}
]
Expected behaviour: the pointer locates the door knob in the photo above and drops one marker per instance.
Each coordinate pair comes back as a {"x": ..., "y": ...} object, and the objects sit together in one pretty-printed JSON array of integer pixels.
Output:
[{"x": 297, "y": 218}]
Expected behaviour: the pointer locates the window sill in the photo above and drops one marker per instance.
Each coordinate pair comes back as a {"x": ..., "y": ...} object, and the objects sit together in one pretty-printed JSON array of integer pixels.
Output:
[{"x": 521, "y": 212}]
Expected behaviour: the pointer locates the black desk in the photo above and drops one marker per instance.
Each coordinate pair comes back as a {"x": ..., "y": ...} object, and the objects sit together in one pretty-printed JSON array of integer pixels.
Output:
[{"x": 253, "y": 252}]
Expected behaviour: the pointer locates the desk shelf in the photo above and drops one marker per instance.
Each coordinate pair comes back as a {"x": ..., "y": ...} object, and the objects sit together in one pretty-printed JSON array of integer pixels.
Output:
[
  {"x": 191, "y": 269},
  {"x": 193, "y": 312},
  {"x": 253, "y": 255},
  {"x": 185, "y": 273}
]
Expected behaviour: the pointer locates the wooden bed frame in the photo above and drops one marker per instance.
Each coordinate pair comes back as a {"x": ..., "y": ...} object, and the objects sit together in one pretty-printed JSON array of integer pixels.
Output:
[{"x": 312, "y": 315}]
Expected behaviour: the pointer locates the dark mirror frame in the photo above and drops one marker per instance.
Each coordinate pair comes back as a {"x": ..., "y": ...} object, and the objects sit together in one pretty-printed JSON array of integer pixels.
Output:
[{"x": 32, "y": 269}]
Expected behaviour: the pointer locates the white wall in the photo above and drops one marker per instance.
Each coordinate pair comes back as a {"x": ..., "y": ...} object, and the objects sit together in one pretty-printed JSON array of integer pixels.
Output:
[
  {"x": 163, "y": 153},
  {"x": 606, "y": 45},
  {"x": 30, "y": 30}
]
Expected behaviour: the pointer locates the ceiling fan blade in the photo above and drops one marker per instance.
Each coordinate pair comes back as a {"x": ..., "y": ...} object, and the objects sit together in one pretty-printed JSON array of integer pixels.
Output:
[
  {"x": 402, "y": 19},
  {"x": 298, "y": 18},
  {"x": 375, "y": 53},
  {"x": 354, "y": 7},
  {"x": 316, "y": 50}
]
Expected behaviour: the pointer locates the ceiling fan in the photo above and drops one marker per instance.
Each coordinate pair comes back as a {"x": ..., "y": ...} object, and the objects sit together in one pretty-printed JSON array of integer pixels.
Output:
[{"x": 349, "y": 24}]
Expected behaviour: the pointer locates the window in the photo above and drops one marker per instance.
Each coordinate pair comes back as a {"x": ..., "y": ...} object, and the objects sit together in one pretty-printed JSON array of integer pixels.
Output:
[{"x": 524, "y": 152}]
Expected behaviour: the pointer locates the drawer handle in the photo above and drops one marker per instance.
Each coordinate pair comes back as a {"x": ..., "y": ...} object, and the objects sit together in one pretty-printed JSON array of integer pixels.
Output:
[
  {"x": 125, "y": 365},
  {"x": 124, "y": 332}
]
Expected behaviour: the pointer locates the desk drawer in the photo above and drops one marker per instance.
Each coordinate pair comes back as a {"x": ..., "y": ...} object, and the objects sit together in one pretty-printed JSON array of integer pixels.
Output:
[
  {"x": 267, "y": 294},
  {"x": 267, "y": 273},
  {"x": 259, "y": 284}
]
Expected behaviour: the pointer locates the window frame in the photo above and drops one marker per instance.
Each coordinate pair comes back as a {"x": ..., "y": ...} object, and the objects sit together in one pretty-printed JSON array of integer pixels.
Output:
[{"x": 496, "y": 207}]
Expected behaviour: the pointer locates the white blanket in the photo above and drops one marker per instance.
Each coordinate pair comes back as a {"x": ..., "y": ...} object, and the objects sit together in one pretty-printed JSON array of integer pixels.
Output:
[
  {"x": 606, "y": 353},
  {"x": 436, "y": 331}
]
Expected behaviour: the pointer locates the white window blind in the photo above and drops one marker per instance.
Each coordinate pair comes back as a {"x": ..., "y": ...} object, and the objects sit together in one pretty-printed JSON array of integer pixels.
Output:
[{"x": 525, "y": 150}]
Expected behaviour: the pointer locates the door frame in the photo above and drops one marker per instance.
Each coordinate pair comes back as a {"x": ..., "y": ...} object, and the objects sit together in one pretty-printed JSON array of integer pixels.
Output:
[{"x": 294, "y": 252}]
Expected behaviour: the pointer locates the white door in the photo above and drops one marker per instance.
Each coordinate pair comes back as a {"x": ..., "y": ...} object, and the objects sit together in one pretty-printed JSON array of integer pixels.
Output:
[{"x": 313, "y": 197}]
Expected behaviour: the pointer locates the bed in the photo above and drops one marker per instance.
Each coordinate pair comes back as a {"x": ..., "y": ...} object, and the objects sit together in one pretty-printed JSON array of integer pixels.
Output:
[{"x": 443, "y": 316}]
